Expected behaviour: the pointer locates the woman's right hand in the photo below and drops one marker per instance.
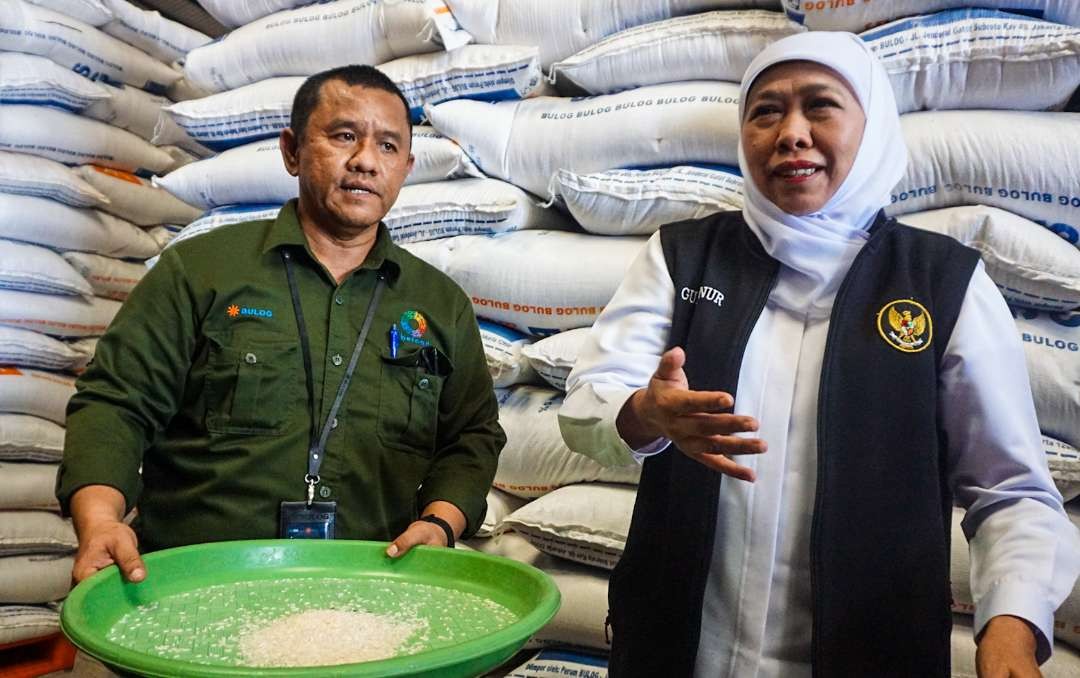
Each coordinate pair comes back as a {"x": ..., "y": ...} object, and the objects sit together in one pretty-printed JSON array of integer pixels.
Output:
[{"x": 694, "y": 421}]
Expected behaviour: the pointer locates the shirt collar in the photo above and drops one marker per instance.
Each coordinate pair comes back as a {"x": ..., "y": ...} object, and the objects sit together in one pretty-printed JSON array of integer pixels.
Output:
[{"x": 286, "y": 230}]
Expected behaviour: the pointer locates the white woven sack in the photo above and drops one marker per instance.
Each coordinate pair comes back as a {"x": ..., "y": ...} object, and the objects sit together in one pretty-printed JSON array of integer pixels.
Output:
[
  {"x": 996, "y": 158},
  {"x": 553, "y": 357},
  {"x": 535, "y": 460},
  {"x": 110, "y": 278},
  {"x": 1064, "y": 663},
  {"x": 35, "y": 579},
  {"x": 55, "y": 315},
  {"x": 232, "y": 14},
  {"x": 709, "y": 46},
  {"x": 159, "y": 37},
  {"x": 586, "y": 523},
  {"x": 36, "y": 81},
  {"x": 1030, "y": 265},
  {"x": 977, "y": 58},
  {"x": 26, "y": 438},
  {"x": 1052, "y": 349},
  {"x": 1066, "y": 617},
  {"x": 130, "y": 109},
  {"x": 565, "y": 27},
  {"x": 478, "y": 72},
  {"x": 35, "y": 532},
  {"x": 80, "y": 47},
  {"x": 828, "y": 15},
  {"x": 35, "y": 269},
  {"x": 28, "y": 486},
  {"x": 59, "y": 226},
  {"x": 76, "y": 140},
  {"x": 240, "y": 116},
  {"x": 27, "y": 348},
  {"x": 499, "y": 505},
  {"x": 526, "y": 142},
  {"x": 1064, "y": 462},
  {"x": 222, "y": 216},
  {"x": 20, "y": 623},
  {"x": 255, "y": 173},
  {"x": 466, "y": 207},
  {"x": 539, "y": 282},
  {"x": 307, "y": 40},
  {"x": 506, "y": 363},
  {"x": 638, "y": 202},
  {"x": 22, "y": 174},
  {"x": 34, "y": 392},
  {"x": 580, "y": 619},
  {"x": 93, "y": 12},
  {"x": 136, "y": 199}
]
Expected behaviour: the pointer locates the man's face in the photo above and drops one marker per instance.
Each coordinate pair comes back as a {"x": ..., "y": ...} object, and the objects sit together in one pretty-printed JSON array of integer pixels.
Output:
[{"x": 353, "y": 157}]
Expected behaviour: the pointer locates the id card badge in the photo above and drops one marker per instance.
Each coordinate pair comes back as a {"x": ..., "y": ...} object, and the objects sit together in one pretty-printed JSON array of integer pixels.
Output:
[{"x": 301, "y": 521}]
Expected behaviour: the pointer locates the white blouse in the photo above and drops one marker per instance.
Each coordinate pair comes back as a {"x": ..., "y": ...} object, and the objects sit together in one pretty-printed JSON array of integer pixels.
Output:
[{"x": 756, "y": 619}]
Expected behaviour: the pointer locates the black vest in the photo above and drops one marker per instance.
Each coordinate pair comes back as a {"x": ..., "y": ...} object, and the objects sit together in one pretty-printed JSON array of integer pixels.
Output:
[{"x": 880, "y": 535}]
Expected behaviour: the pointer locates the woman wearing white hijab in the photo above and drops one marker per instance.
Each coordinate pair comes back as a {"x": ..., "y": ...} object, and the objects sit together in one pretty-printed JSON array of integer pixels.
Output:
[{"x": 879, "y": 368}]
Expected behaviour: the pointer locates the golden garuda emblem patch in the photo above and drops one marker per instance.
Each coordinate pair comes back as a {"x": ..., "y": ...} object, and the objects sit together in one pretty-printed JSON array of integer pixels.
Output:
[{"x": 906, "y": 325}]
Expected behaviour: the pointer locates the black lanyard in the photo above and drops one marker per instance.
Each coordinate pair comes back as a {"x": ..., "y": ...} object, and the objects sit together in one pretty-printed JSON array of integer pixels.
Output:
[{"x": 317, "y": 442}]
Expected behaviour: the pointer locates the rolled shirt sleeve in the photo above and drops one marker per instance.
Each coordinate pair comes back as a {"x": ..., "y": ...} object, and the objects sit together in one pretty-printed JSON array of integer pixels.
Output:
[
  {"x": 619, "y": 356},
  {"x": 117, "y": 412},
  {"x": 1025, "y": 553}
]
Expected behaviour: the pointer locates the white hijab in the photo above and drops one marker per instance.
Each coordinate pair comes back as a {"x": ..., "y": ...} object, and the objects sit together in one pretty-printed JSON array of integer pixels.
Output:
[{"x": 819, "y": 247}]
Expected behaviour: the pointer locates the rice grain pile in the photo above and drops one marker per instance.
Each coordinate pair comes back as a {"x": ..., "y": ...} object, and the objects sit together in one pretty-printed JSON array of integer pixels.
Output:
[{"x": 326, "y": 637}]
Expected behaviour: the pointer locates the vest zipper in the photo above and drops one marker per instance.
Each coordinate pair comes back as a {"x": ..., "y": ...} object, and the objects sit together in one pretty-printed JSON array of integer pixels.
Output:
[{"x": 815, "y": 561}]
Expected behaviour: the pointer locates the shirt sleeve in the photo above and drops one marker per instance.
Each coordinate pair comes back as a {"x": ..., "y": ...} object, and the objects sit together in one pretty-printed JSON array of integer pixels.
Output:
[
  {"x": 1025, "y": 553},
  {"x": 130, "y": 391},
  {"x": 470, "y": 438},
  {"x": 619, "y": 356}
]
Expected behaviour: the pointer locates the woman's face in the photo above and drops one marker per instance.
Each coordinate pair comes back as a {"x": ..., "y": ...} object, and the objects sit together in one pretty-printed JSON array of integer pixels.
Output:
[{"x": 800, "y": 134}]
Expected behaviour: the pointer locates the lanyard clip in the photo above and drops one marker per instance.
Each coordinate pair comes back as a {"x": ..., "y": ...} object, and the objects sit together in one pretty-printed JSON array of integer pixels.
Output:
[{"x": 311, "y": 481}]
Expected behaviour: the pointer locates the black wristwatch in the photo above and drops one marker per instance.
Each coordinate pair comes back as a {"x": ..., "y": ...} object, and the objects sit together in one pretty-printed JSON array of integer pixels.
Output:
[{"x": 436, "y": 520}]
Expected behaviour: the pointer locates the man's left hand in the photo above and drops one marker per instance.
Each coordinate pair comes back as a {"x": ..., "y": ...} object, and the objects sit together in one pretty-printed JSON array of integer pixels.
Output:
[
  {"x": 422, "y": 532},
  {"x": 1007, "y": 649},
  {"x": 419, "y": 532}
]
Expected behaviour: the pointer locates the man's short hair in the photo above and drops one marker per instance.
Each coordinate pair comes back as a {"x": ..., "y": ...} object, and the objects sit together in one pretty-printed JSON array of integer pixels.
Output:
[{"x": 307, "y": 97}]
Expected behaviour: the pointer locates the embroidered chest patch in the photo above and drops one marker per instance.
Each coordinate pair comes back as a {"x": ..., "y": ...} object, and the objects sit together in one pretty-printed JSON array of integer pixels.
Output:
[{"x": 906, "y": 325}]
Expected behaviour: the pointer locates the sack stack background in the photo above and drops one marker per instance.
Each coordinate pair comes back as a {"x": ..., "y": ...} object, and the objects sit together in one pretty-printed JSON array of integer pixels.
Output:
[
  {"x": 553, "y": 137},
  {"x": 82, "y": 84}
]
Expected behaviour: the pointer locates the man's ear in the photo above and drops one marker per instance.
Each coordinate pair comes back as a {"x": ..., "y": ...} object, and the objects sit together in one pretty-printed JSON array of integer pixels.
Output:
[
  {"x": 412, "y": 161},
  {"x": 290, "y": 151}
]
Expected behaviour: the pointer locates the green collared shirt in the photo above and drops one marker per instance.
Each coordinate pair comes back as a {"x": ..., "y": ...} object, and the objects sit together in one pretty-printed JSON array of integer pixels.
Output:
[{"x": 200, "y": 380}]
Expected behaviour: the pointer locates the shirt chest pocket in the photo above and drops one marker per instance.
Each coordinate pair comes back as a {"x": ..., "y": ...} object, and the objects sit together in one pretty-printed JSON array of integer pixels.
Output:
[
  {"x": 250, "y": 386},
  {"x": 409, "y": 389}
]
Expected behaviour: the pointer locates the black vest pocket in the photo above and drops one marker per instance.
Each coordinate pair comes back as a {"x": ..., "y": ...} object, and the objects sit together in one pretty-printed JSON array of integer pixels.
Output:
[{"x": 249, "y": 385}]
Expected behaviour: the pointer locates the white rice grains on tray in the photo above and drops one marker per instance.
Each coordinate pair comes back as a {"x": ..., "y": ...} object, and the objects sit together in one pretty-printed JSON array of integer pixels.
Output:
[{"x": 327, "y": 637}]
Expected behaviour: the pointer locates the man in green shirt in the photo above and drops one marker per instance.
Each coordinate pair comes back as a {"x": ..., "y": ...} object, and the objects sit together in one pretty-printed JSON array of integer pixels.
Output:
[{"x": 203, "y": 378}]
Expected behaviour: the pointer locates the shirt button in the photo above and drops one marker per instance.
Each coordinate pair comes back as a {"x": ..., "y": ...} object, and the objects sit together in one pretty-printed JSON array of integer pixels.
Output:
[
  {"x": 324, "y": 491},
  {"x": 339, "y": 300},
  {"x": 250, "y": 359},
  {"x": 337, "y": 360},
  {"x": 424, "y": 383}
]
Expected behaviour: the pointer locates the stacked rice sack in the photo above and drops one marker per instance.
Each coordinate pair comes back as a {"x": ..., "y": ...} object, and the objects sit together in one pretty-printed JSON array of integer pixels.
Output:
[
  {"x": 252, "y": 74},
  {"x": 79, "y": 104},
  {"x": 654, "y": 141}
]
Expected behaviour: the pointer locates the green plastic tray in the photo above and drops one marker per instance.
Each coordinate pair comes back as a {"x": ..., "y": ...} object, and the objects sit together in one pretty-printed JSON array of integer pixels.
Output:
[{"x": 97, "y": 604}]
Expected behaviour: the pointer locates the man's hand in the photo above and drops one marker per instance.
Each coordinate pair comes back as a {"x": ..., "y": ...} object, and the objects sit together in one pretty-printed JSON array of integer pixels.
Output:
[
  {"x": 108, "y": 543},
  {"x": 422, "y": 532},
  {"x": 694, "y": 420},
  {"x": 1007, "y": 649},
  {"x": 97, "y": 511}
]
